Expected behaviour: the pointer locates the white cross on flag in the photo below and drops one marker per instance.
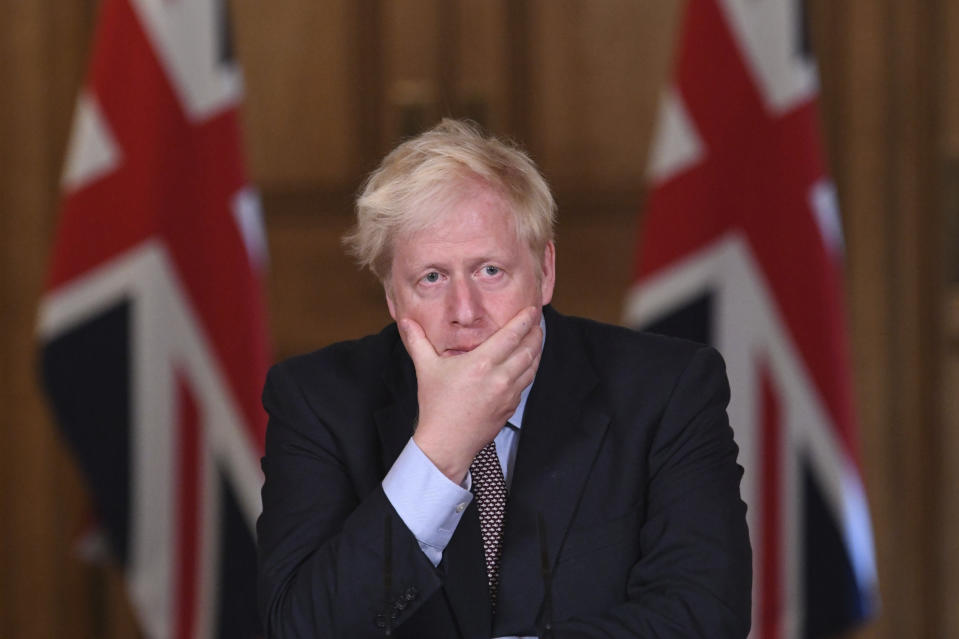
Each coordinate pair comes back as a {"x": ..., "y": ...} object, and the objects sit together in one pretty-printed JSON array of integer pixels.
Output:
[
  {"x": 741, "y": 247},
  {"x": 153, "y": 324}
]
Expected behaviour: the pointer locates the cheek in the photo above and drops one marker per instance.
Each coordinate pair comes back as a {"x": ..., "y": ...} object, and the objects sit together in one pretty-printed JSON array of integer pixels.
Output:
[
  {"x": 423, "y": 310},
  {"x": 502, "y": 308}
]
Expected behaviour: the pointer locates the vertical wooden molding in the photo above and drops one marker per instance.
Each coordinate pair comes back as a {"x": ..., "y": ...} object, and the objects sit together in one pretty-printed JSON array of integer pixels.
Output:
[
  {"x": 448, "y": 63},
  {"x": 942, "y": 546},
  {"x": 947, "y": 590},
  {"x": 903, "y": 431},
  {"x": 857, "y": 110},
  {"x": 912, "y": 187},
  {"x": 31, "y": 562},
  {"x": 520, "y": 80},
  {"x": 369, "y": 90}
]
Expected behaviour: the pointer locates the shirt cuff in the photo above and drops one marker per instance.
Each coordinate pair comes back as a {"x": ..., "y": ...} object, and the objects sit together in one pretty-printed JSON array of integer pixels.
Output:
[{"x": 426, "y": 500}]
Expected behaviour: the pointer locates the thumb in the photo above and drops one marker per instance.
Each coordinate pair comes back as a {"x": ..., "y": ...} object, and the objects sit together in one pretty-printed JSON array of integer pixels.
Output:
[{"x": 414, "y": 338}]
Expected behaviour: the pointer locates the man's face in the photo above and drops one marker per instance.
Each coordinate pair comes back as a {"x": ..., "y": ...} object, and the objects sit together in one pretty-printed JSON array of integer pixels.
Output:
[{"x": 468, "y": 274}]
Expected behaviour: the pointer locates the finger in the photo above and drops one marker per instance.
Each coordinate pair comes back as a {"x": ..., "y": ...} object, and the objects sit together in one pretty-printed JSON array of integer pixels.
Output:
[
  {"x": 527, "y": 376},
  {"x": 523, "y": 362},
  {"x": 507, "y": 339},
  {"x": 416, "y": 342},
  {"x": 528, "y": 346},
  {"x": 524, "y": 379}
]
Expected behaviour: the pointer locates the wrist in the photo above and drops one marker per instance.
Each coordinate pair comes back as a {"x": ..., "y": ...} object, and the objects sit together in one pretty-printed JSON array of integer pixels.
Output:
[{"x": 449, "y": 461}]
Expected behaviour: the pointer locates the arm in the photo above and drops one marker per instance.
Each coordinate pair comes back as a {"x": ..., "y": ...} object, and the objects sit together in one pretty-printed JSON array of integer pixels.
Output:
[
  {"x": 693, "y": 578},
  {"x": 321, "y": 547},
  {"x": 426, "y": 500}
]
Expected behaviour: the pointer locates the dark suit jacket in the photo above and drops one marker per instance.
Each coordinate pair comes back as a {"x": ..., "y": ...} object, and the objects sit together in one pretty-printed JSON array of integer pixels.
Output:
[{"x": 625, "y": 451}]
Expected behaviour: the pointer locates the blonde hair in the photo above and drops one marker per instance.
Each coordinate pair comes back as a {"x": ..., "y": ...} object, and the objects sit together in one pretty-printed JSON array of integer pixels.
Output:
[{"x": 433, "y": 168}]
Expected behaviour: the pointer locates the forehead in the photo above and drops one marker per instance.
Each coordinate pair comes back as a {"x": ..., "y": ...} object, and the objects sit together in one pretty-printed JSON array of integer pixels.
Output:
[{"x": 473, "y": 219}]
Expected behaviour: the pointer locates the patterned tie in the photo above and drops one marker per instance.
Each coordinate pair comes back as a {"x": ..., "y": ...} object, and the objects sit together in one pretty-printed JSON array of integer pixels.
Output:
[{"x": 489, "y": 487}]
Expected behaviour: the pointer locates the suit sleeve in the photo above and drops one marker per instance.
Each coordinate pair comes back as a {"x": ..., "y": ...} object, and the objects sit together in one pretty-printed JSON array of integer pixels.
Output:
[
  {"x": 320, "y": 544},
  {"x": 694, "y": 576}
]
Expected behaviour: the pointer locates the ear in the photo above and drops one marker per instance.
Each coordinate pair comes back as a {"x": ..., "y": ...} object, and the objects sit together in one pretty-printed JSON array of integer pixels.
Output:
[
  {"x": 548, "y": 270},
  {"x": 389, "y": 301}
]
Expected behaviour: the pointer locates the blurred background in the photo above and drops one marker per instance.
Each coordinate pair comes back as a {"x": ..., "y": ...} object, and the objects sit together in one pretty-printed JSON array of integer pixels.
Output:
[{"x": 331, "y": 85}]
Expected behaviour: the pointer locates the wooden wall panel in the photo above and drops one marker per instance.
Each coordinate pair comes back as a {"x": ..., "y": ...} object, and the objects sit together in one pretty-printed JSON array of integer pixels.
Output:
[
  {"x": 411, "y": 67},
  {"x": 29, "y": 500},
  {"x": 482, "y": 80},
  {"x": 916, "y": 287},
  {"x": 596, "y": 72},
  {"x": 946, "y": 591},
  {"x": 317, "y": 296},
  {"x": 947, "y": 546},
  {"x": 300, "y": 65},
  {"x": 949, "y": 78}
]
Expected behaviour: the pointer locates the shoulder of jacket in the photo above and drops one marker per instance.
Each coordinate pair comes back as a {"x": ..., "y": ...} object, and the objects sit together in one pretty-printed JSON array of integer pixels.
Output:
[
  {"x": 363, "y": 357},
  {"x": 611, "y": 337}
]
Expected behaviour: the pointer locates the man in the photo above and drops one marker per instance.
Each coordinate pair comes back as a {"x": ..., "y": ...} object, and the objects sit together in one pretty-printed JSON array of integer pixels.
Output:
[{"x": 604, "y": 470}]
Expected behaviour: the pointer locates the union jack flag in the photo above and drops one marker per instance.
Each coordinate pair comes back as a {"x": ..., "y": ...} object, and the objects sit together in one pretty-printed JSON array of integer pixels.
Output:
[
  {"x": 742, "y": 248},
  {"x": 153, "y": 324}
]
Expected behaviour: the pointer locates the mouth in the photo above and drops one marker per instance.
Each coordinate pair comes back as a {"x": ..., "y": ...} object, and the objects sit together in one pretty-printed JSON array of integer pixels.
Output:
[{"x": 458, "y": 350}]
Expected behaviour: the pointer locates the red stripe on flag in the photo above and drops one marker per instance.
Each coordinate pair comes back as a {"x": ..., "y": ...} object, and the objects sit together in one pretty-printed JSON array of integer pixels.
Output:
[
  {"x": 189, "y": 529},
  {"x": 770, "y": 587}
]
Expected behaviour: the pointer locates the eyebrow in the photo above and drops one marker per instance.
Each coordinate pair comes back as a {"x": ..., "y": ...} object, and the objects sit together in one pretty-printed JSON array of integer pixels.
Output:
[{"x": 473, "y": 263}]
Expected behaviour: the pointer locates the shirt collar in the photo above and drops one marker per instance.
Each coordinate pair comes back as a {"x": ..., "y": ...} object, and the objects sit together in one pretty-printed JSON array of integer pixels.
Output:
[{"x": 516, "y": 421}]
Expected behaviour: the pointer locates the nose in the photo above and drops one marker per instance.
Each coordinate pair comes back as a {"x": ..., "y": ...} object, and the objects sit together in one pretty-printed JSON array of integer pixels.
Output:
[{"x": 464, "y": 302}]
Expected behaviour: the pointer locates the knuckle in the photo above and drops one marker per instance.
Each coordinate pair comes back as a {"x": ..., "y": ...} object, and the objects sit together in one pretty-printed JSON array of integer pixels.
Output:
[{"x": 483, "y": 366}]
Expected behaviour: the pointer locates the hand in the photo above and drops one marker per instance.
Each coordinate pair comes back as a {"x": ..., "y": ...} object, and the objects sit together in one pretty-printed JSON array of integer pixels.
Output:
[{"x": 464, "y": 400}]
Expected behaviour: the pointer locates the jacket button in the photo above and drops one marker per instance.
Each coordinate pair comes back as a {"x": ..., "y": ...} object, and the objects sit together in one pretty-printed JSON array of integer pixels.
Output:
[{"x": 410, "y": 593}]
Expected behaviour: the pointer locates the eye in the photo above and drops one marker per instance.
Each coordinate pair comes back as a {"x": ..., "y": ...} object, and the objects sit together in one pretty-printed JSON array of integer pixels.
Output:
[
  {"x": 431, "y": 277},
  {"x": 491, "y": 270}
]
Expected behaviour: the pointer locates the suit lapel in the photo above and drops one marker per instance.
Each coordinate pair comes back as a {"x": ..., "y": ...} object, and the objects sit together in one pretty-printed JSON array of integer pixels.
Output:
[
  {"x": 464, "y": 564},
  {"x": 465, "y": 581},
  {"x": 395, "y": 420},
  {"x": 563, "y": 427}
]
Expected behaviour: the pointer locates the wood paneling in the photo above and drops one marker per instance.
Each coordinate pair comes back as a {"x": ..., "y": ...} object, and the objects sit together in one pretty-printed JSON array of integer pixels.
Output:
[
  {"x": 411, "y": 67},
  {"x": 946, "y": 548},
  {"x": 482, "y": 78},
  {"x": 948, "y": 77},
  {"x": 300, "y": 61},
  {"x": 596, "y": 73}
]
